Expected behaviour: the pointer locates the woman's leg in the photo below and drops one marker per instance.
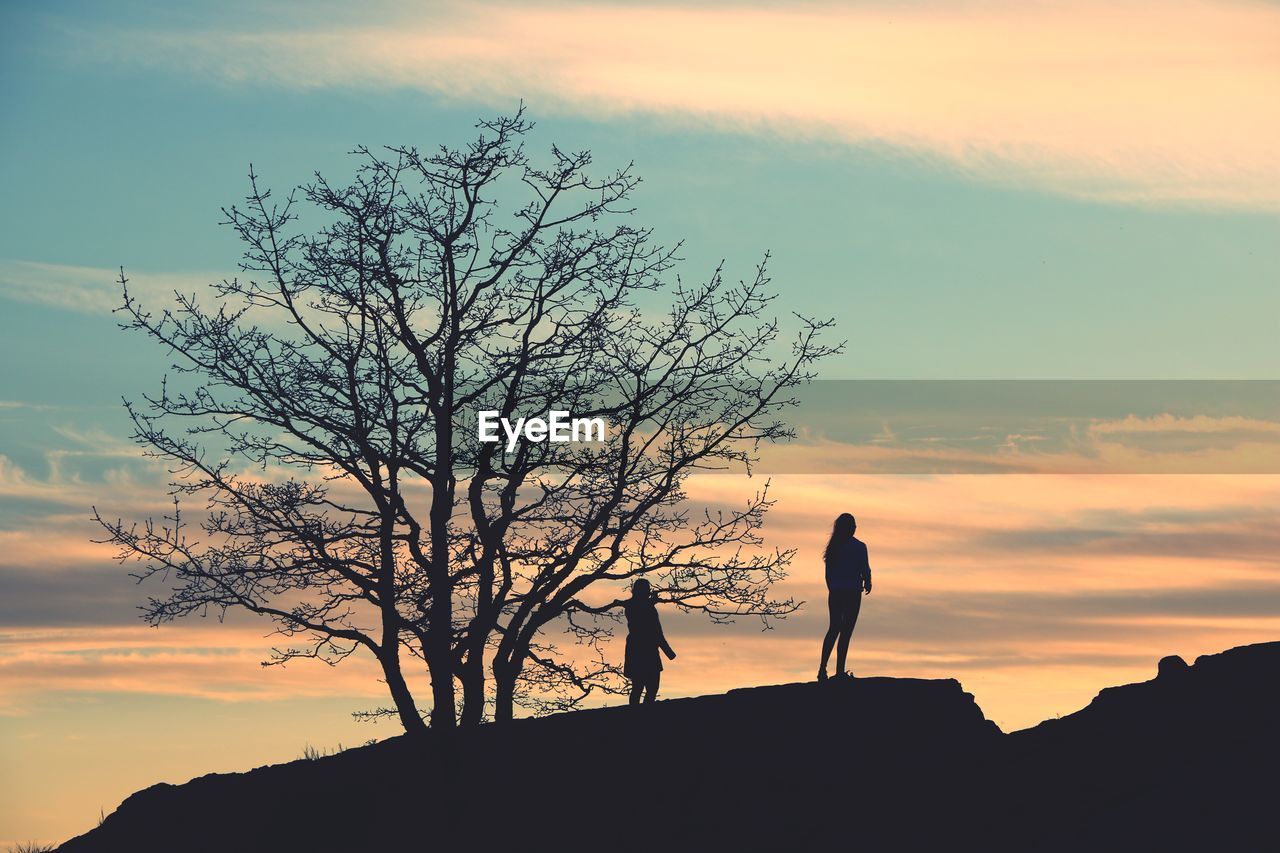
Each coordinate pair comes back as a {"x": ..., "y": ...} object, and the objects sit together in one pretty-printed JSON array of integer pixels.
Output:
[
  {"x": 636, "y": 687},
  {"x": 848, "y": 618},
  {"x": 833, "y": 630},
  {"x": 651, "y": 691}
]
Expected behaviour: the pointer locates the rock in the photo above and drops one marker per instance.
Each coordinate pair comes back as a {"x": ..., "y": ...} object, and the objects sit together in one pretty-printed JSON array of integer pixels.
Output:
[{"x": 1171, "y": 666}]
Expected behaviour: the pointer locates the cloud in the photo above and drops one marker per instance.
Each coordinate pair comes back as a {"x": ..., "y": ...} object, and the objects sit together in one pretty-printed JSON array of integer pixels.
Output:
[
  {"x": 208, "y": 661},
  {"x": 47, "y": 594},
  {"x": 1194, "y": 435},
  {"x": 1090, "y": 453},
  {"x": 80, "y": 468},
  {"x": 93, "y": 290},
  {"x": 942, "y": 440},
  {"x": 1038, "y": 590},
  {"x": 1258, "y": 543},
  {"x": 23, "y": 405},
  {"x": 1130, "y": 102},
  {"x": 1020, "y": 623},
  {"x": 1195, "y": 424}
]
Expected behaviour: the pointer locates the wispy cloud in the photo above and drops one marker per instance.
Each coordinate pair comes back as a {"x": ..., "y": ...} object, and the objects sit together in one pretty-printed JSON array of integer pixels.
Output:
[
  {"x": 209, "y": 661},
  {"x": 1134, "y": 101},
  {"x": 93, "y": 290},
  {"x": 23, "y": 405},
  {"x": 1038, "y": 589},
  {"x": 1032, "y": 427}
]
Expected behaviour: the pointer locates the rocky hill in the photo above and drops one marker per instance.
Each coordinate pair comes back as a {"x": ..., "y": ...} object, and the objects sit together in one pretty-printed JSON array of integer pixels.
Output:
[{"x": 1187, "y": 760}]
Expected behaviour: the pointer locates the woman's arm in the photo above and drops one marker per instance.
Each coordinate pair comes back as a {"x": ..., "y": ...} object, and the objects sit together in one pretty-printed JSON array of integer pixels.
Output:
[
  {"x": 662, "y": 638},
  {"x": 578, "y": 605}
]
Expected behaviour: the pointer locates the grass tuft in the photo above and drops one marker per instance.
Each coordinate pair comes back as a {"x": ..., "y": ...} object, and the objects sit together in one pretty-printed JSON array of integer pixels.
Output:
[{"x": 311, "y": 753}]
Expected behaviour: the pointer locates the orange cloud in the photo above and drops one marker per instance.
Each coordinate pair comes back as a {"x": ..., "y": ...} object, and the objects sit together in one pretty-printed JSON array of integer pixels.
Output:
[
  {"x": 1094, "y": 576},
  {"x": 210, "y": 661},
  {"x": 1133, "y": 101}
]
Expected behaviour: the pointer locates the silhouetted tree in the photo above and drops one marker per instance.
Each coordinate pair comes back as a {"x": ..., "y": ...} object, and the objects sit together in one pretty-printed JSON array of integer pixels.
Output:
[{"x": 328, "y": 411}]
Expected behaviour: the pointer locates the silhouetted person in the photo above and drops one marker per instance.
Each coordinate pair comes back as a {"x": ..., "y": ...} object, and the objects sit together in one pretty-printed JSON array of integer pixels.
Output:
[
  {"x": 642, "y": 664},
  {"x": 848, "y": 574}
]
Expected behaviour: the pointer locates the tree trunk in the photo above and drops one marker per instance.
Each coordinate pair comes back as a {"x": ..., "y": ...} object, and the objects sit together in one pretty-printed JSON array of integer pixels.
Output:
[
  {"x": 438, "y": 648},
  {"x": 444, "y": 710},
  {"x": 400, "y": 693},
  {"x": 389, "y": 651},
  {"x": 504, "y": 682},
  {"x": 472, "y": 676}
]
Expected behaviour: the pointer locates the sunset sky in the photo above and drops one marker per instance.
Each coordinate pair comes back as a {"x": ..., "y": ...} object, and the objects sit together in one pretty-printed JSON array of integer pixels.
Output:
[{"x": 974, "y": 190}]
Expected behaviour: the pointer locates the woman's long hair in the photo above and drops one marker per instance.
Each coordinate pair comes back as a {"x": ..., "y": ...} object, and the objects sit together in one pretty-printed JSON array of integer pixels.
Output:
[{"x": 841, "y": 531}]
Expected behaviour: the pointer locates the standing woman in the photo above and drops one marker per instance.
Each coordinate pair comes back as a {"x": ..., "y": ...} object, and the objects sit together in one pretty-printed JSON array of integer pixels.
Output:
[
  {"x": 848, "y": 574},
  {"x": 642, "y": 664}
]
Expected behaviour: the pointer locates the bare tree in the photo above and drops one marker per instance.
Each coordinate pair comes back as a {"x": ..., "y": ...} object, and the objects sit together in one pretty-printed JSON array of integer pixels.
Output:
[{"x": 329, "y": 408}]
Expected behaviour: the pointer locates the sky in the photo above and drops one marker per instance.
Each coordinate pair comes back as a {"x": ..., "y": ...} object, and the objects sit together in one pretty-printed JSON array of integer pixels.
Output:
[{"x": 973, "y": 190}]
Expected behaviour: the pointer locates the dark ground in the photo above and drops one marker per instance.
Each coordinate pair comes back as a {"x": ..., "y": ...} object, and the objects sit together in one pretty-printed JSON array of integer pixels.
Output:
[{"x": 1186, "y": 761}]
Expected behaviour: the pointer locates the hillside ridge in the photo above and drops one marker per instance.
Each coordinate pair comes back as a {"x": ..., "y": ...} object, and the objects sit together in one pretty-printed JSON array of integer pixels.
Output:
[{"x": 770, "y": 766}]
